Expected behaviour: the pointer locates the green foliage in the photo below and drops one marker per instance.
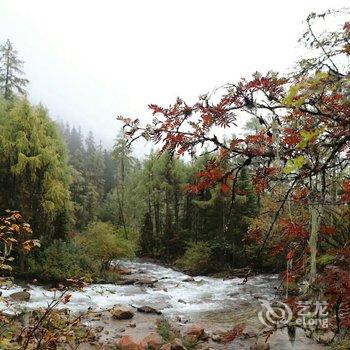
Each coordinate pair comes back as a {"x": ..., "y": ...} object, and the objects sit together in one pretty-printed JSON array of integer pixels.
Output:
[
  {"x": 103, "y": 242},
  {"x": 34, "y": 173},
  {"x": 61, "y": 260},
  {"x": 197, "y": 258},
  {"x": 147, "y": 241},
  {"x": 341, "y": 345},
  {"x": 164, "y": 329},
  {"x": 324, "y": 260}
]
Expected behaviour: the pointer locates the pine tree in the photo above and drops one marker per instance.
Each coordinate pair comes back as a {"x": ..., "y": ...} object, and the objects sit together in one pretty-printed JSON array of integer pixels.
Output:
[
  {"x": 146, "y": 235},
  {"x": 11, "y": 74},
  {"x": 34, "y": 172}
]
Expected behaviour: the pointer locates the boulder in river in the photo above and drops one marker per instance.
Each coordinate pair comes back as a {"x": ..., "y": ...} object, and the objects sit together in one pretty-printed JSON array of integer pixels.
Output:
[
  {"x": 153, "y": 341},
  {"x": 20, "y": 296},
  {"x": 188, "y": 279},
  {"x": 120, "y": 270},
  {"x": 146, "y": 282},
  {"x": 127, "y": 343},
  {"x": 148, "y": 310},
  {"x": 196, "y": 332},
  {"x": 126, "y": 281},
  {"x": 121, "y": 313}
]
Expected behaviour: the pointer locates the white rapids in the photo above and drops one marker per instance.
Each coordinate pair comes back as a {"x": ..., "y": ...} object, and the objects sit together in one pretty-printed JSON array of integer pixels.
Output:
[{"x": 170, "y": 294}]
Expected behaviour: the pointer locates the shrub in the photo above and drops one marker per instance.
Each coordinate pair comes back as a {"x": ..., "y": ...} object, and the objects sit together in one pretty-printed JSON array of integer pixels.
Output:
[
  {"x": 103, "y": 242},
  {"x": 61, "y": 260},
  {"x": 196, "y": 259}
]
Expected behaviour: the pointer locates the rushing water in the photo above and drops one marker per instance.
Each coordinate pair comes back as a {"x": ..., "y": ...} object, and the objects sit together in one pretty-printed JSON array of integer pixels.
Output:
[
  {"x": 170, "y": 294},
  {"x": 215, "y": 302}
]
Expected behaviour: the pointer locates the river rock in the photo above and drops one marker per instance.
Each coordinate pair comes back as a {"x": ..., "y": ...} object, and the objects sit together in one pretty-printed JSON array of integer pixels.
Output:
[
  {"x": 148, "y": 310},
  {"x": 146, "y": 282},
  {"x": 188, "y": 279},
  {"x": 152, "y": 342},
  {"x": 176, "y": 344},
  {"x": 181, "y": 319},
  {"x": 127, "y": 343},
  {"x": 120, "y": 270},
  {"x": 196, "y": 332},
  {"x": 121, "y": 313},
  {"x": 126, "y": 281},
  {"x": 20, "y": 296},
  {"x": 258, "y": 296}
]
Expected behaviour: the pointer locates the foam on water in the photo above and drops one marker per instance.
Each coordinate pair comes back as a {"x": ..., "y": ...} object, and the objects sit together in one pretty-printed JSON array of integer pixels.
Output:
[{"x": 170, "y": 294}]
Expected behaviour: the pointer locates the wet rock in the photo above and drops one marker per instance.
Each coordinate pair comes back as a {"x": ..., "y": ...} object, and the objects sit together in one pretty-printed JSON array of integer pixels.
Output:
[
  {"x": 241, "y": 273},
  {"x": 120, "y": 270},
  {"x": 148, "y": 310},
  {"x": 152, "y": 342},
  {"x": 258, "y": 296},
  {"x": 146, "y": 282},
  {"x": 182, "y": 319},
  {"x": 264, "y": 346},
  {"x": 121, "y": 313},
  {"x": 188, "y": 279},
  {"x": 196, "y": 332},
  {"x": 20, "y": 296},
  {"x": 176, "y": 344},
  {"x": 126, "y": 281},
  {"x": 127, "y": 343}
]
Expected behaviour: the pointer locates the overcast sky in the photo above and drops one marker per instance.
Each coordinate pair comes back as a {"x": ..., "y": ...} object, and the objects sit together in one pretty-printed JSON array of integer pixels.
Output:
[{"x": 89, "y": 61}]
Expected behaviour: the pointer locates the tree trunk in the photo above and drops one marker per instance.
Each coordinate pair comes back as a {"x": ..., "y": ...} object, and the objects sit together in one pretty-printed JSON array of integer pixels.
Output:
[{"x": 316, "y": 216}]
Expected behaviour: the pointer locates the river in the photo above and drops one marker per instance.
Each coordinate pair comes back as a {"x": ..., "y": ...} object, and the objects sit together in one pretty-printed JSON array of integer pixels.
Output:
[{"x": 216, "y": 303}]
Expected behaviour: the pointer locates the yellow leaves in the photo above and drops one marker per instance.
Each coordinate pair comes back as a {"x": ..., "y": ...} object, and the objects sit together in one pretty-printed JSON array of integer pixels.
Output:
[
  {"x": 299, "y": 93},
  {"x": 14, "y": 232},
  {"x": 5, "y": 267},
  {"x": 30, "y": 244},
  {"x": 294, "y": 165},
  {"x": 309, "y": 136}
]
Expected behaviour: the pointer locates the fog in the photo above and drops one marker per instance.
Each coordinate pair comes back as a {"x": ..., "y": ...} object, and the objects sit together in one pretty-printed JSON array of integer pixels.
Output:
[{"x": 89, "y": 61}]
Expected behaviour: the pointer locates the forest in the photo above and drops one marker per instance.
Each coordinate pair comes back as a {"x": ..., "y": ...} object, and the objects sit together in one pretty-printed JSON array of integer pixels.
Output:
[{"x": 205, "y": 201}]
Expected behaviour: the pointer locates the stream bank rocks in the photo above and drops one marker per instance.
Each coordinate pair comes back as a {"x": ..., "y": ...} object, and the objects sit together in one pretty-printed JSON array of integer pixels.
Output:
[
  {"x": 148, "y": 310},
  {"x": 121, "y": 313},
  {"x": 21, "y": 296}
]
